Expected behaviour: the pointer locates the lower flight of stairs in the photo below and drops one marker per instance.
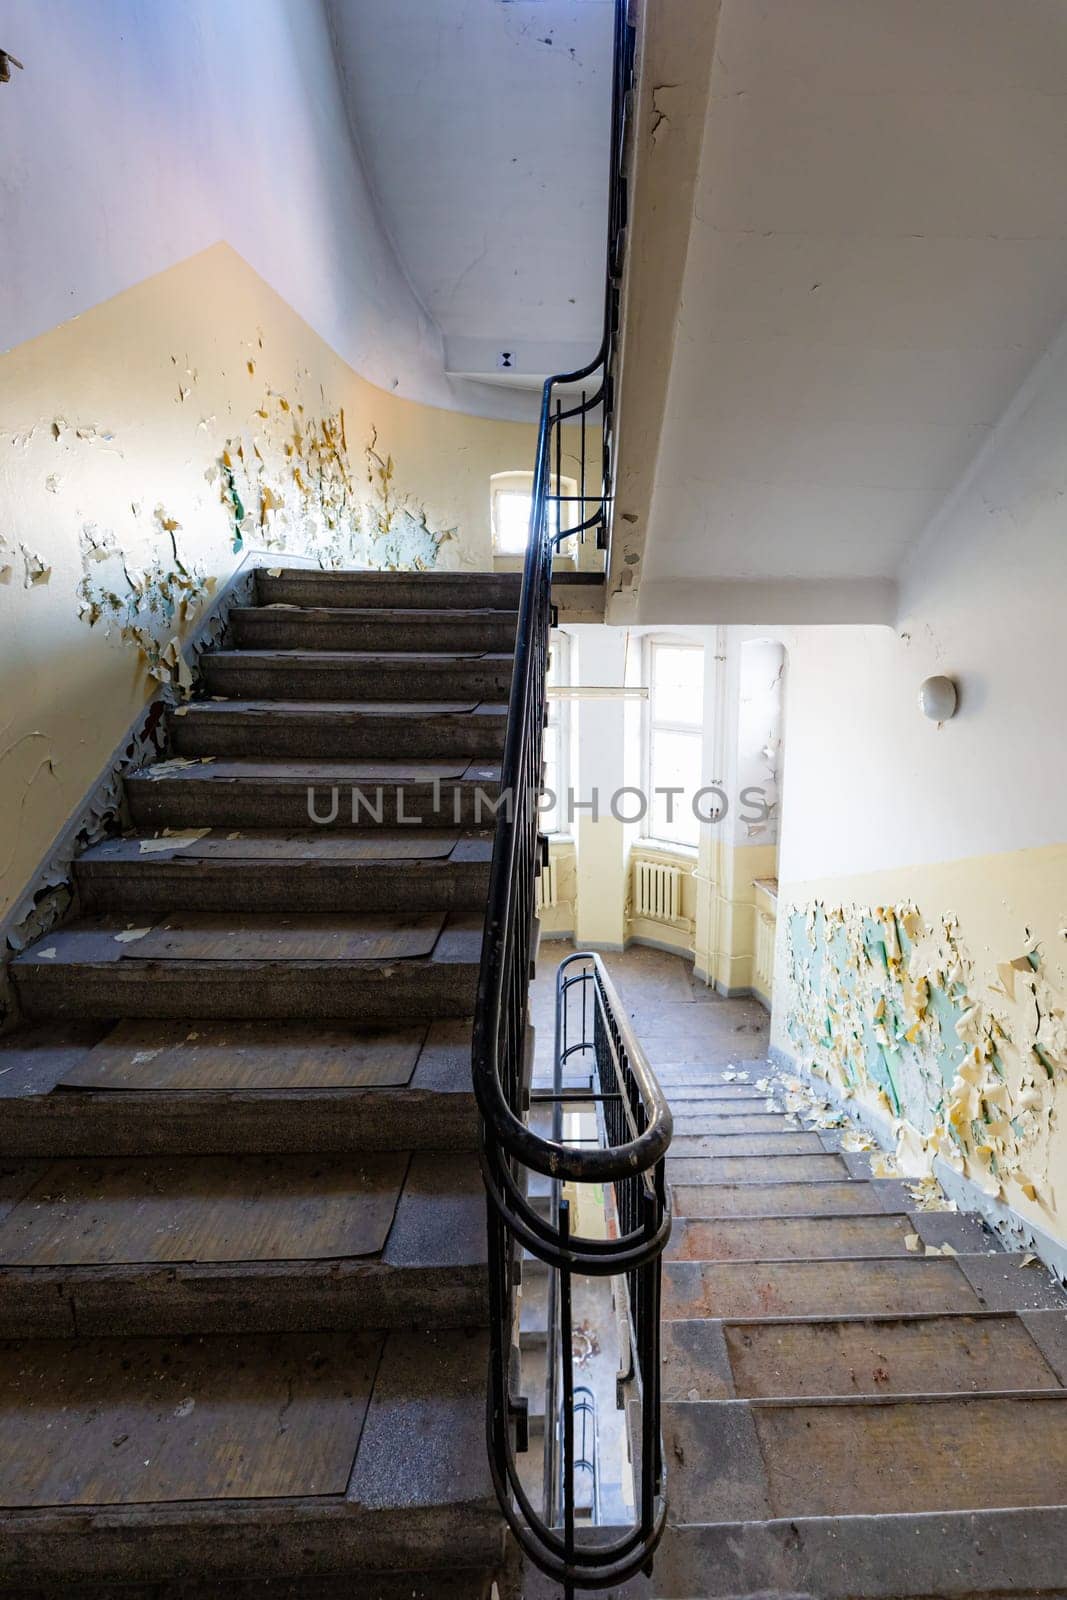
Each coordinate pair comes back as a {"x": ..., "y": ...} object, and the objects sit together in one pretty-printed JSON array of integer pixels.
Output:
[
  {"x": 242, "y": 1256},
  {"x": 846, "y": 1413}
]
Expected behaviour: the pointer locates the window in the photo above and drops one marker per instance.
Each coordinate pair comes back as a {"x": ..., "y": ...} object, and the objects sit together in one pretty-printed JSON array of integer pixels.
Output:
[
  {"x": 510, "y": 495},
  {"x": 556, "y": 746},
  {"x": 674, "y": 739}
]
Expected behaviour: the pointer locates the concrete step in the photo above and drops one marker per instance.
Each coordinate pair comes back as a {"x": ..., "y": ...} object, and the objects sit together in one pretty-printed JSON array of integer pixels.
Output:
[
  {"x": 269, "y": 1466},
  {"x": 907, "y": 1287},
  {"x": 202, "y": 1087},
  {"x": 245, "y": 793},
  {"x": 356, "y": 675},
  {"x": 229, "y": 1244},
  {"x": 739, "y": 1461},
  {"x": 316, "y": 730},
  {"x": 284, "y": 627},
  {"x": 370, "y": 869},
  {"x": 533, "y": 1312},
  {"x": 743, "y": 1116},
  {"x": 775, "y": 1142},
  {"x": 968, "y": 1555},
  {"x": 757, "y": 1170},
  {"x": 463, "y": 591},
  {"x": 811, "y": 1238},
  {"x": 845, "y": 1198},
  {"x": 368, "y": 967},
  {"x": 881, "y": 1355}
]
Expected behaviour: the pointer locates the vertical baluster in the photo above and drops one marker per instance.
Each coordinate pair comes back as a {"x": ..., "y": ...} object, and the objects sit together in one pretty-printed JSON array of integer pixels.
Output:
[
  {"x": 581, "y": 456},
  {"x": 567, "y": 1344}
]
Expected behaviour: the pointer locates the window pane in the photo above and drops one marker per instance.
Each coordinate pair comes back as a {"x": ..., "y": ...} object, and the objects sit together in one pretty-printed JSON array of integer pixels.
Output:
[
  {"x": 511, "y": 521},
  {"x": 675, "y": 765},
  {"x": 677, "y": 684}
]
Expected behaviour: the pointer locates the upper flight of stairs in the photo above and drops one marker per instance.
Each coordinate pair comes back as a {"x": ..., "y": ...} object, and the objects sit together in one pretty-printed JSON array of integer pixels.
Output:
[{"x": 242, "y": 1253}]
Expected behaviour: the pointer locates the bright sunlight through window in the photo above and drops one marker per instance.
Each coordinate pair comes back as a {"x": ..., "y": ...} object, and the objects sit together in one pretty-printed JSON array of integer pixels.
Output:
[{"x": 674, "y": 738}]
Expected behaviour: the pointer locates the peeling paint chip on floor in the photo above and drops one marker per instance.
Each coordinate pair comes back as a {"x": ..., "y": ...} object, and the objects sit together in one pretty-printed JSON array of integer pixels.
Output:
[
  {"x": 172, "y": 839},
  {"x": 130, "y": 934}
]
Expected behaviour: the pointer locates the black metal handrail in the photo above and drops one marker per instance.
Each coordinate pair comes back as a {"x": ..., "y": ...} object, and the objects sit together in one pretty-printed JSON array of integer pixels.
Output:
[{"x": 635, "y": 1121}]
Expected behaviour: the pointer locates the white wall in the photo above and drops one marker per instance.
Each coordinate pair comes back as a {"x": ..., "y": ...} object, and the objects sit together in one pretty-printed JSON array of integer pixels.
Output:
[
  {"x": 143, "y": 131},
  {"x": 943, "y": 847},
  {"x": 871, "y": 783}
]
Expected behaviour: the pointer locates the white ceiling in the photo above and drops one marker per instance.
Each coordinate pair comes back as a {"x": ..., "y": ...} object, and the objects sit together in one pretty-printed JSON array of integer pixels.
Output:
[
  {"x": 483, "y": 126},
  {"x": 878, "y": 255}
]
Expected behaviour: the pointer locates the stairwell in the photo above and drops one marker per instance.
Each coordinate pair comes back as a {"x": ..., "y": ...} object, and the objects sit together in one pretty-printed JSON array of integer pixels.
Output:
[
  {"x": 242, "y": 1250},
  {"x": 863, "y": 1399}
]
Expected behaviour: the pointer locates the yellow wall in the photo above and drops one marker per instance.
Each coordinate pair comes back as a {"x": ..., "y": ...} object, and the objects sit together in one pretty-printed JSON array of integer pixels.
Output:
[
  {"x": 959, "y": 1032},
  {"x": 119, "y": 432},
  {"x": 726, "y": 932}
]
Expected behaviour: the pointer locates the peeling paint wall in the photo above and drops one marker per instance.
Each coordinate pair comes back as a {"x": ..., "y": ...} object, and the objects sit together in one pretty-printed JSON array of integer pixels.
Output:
[
  {"x": 952, "y": 1020},
  {"x": 149, "y": 447},
  {"x": 922, "y": 930}
]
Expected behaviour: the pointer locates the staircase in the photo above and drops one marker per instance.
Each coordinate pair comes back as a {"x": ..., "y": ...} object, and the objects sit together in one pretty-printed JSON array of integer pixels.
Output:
[
  {"x": 861, "y": 1398},
  {"x": 242, "y": 1250}
]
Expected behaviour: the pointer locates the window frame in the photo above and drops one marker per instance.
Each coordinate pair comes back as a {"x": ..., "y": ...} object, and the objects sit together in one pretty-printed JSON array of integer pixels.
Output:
[{"x": 650, "y": 725}]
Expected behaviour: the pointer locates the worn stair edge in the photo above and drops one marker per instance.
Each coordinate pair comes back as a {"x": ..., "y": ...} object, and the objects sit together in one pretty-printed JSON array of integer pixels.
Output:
[
  {"x": 955, "y": 1556},
  {"x": 467, "y": 1583}
]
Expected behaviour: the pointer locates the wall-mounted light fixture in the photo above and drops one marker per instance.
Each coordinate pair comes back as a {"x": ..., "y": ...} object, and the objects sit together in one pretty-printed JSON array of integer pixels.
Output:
[{"x": 938, "y": 699}]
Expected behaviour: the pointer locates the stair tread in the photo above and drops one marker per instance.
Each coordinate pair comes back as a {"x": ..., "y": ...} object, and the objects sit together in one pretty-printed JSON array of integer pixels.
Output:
[
  {"x": 808, "y": 1238},
  {"x": 882, "y": 1354},
  {"x": 825, "y": 1198},
  {"x": 320, "y": 1436},
  {"x": 214, "y": 938},
  {"x": 107, "y": 1212},
  {"x": 365, "y": 847},
  {"x": 400, "y": 616},
  {"x": 848, "y": 1457}
]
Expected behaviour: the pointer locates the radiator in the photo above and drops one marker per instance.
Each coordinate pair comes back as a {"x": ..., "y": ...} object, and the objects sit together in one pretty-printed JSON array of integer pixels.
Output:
[
  {"x": 546, "y": 886},
  {"x": 657, "y": 891}
]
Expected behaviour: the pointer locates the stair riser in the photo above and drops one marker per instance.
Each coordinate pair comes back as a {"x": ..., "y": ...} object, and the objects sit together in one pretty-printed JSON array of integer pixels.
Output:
[
  {"x": 466, "y": 1584},
  {"x": 45, "y": 1552},
  {"x": 471, "y": 592},
  {"x": 161, "y": 803},
  {"x": 174, "y": 989},
  {"x": 355, "y": 739},
  {"x": 277, "y": 1297},
  {"x": 268, "y": 886},
  {"x": 203, "y": 1123},
  {"x": 247, "y": 680},
  {"x": 290, "y": 630}
]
